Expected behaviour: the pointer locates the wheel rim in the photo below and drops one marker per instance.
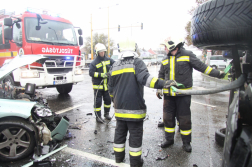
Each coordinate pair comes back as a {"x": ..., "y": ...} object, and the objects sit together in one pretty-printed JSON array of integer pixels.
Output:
[{"x": 14, "y": 141}]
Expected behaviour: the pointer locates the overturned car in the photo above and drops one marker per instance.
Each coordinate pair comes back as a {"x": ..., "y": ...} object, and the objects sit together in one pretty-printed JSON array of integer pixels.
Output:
[{"x": 27, "y": 123}]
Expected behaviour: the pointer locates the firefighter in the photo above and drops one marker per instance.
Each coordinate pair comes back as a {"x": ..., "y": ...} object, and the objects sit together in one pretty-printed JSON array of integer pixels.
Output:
[
  {"x": 98, "y": 71},
  {"x": 178, "y": 65},
  {"x": 127, "y": 78}
]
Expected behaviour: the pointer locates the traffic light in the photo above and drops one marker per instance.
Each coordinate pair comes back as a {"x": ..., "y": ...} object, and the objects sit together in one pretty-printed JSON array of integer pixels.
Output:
[
  {"x": 118, "y": 28},
  {"x": 141, "y": 26}
]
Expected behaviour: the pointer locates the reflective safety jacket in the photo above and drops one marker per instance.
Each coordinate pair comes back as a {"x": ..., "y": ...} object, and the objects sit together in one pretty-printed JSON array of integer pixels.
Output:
[
  {"x": 126, "y": 85},
  {"x": 98, "y": 67},
  {"x": 180, "y": 68}
]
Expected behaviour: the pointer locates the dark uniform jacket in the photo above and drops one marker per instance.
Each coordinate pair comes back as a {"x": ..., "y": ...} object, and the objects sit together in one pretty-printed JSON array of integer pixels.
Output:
[
  {"x": 180, "y": 68},
  {"x": 98, "y": 67},
  {"x": 126, "y": 84}
]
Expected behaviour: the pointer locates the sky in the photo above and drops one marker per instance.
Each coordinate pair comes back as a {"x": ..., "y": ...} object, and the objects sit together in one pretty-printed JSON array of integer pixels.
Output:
[{"x": 161, "y": 18}]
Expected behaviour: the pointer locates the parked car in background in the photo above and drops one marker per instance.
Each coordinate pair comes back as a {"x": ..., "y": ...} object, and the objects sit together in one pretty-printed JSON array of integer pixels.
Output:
[
  {"x": 219, "y": 62},
  {"x": 153, "y": 61},
  {"x": 114, "y": 57},
  {"x": 147, "y": 62},
  {"x": 160, "y": 58}
]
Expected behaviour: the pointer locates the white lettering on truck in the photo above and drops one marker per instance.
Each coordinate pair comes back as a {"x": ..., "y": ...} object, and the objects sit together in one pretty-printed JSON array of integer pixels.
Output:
[{"x": 57, "y": 50}]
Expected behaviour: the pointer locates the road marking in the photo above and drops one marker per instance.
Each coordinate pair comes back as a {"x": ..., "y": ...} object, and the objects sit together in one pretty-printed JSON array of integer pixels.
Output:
[
  {"x": 69, "y": 108},
  {"x": 94, "y": 157},
  {"x": 204, "y": 104}
]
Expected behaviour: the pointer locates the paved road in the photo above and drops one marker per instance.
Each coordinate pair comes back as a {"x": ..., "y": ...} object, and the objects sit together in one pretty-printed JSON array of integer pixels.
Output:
[{"x": 89, "y": 149}]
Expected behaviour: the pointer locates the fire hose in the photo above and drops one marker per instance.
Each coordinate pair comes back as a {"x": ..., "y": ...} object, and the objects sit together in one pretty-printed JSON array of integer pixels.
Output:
[{"x": 233, "y": 85}]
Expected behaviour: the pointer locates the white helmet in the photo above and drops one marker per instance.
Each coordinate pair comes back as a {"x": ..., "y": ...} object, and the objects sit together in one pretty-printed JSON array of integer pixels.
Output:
[
  {"x": 100, "y": 48},
  {"x": 127, "y": 48},
  {"x": 173, "y": 44}
]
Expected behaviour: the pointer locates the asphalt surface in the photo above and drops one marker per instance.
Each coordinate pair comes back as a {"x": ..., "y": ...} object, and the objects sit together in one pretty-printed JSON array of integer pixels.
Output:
[{"x": 86, "y": 148}]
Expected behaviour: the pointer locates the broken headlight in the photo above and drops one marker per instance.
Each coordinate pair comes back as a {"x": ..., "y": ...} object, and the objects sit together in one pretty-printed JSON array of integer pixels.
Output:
[{"x": 43, "y": 112}]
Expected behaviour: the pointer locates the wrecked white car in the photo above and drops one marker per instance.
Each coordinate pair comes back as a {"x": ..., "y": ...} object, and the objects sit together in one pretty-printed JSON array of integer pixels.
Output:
[{"x": 27, "y": 123}]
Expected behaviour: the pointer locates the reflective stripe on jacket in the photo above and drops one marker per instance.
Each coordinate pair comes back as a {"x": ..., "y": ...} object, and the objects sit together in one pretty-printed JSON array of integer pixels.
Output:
[
  {"x": 98, "y": 68},
  {"x": 126, "y": 84},
  {"x": 180, "y": 68}
]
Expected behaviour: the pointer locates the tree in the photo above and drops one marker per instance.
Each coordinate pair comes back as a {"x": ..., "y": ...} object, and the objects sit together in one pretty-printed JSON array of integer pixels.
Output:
[
  {"x": 188, "y": 25},
  {"x": 98, "y": 38}
]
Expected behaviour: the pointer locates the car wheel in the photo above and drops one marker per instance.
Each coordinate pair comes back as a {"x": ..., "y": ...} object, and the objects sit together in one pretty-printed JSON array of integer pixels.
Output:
[
  {"x": 219, "y": 24},
  {"x": 220, "y": 136},
  {"x": 9, "y": 80},
  {"x": 214, "y": 67},
  {"x": 16, "y": 140},
  {"x": 64, "y": 89}
]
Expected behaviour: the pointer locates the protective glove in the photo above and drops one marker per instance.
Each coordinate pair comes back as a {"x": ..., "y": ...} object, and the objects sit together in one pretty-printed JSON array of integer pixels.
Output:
[
  {"x": 222, "y": 75},
  {"x": 159, "y": 93},
  {"x": 170, "y": 83},
  {"x": 104, "y": 75}
]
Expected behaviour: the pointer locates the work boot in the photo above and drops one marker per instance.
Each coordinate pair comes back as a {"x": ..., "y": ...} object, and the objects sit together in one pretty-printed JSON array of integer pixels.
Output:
[
  {"x": 139, "y": 165},
  {"x": 99, "y": 120},
  {"x": 119, "y": 160},
  {"x": 187, "y": 147},
  {"x": 160, "y": 124},
  {"x": 106, "y": 115},
  {"x": 167, "y": 143}
]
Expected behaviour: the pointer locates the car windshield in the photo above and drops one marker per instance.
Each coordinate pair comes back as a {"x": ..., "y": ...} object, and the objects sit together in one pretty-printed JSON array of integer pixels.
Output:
[
  {"x": 114, "y": 57},
  {"x": 52, "y": 32}
]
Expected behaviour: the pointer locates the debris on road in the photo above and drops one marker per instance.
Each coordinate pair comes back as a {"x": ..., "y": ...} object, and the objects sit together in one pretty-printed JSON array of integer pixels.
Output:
[
  {"x": 85, "y": 121},
  {"x": 110, "y": 141},
  {"x": 75, "y": 127},
  {"x": 44, "y": 156},
  {"x": 161, "y": 158},
  {"x": 90, "y": 113},
  {"x": 146, "y": 153},
  {"x": 95, "y": 132},
  {"x": 195, "y": 165},
  {"x": 68, "y": 135}
]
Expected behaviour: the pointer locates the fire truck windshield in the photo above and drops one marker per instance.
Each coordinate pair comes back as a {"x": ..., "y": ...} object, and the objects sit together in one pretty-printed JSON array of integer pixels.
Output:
[{"x": 53, "y": 32}]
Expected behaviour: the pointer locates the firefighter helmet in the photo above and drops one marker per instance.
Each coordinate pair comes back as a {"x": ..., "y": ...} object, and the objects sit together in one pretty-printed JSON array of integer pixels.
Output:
[
  {"x": 100, "y": 48},
  {"x": 173, "y": 44},
  {"x": 127, "y": 48}
]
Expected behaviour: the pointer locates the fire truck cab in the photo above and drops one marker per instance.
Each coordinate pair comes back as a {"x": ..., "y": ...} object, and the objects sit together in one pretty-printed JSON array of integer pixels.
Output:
[{"x": 42, "y": 34}]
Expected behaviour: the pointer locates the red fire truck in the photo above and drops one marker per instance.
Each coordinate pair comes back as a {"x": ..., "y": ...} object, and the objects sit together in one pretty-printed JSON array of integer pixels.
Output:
[{"x": 53, "y": 37}]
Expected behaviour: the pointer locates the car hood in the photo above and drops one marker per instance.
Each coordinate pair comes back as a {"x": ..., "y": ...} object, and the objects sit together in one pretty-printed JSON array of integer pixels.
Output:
[{"x": 20, "y": 61}]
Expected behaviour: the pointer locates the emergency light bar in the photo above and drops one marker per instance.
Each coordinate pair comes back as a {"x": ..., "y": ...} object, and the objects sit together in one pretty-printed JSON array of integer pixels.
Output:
[{"x": 42, "y": 11}]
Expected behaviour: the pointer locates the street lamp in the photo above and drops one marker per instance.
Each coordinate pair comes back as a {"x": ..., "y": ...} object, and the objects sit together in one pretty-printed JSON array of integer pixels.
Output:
[{"x": 108, "y": 29}]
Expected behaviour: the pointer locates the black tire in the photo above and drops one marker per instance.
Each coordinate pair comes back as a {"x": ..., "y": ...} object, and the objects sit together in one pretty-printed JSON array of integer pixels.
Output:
[
  {"x": 220, "y": 136},
  {"x": 221, "y": 24},
  {"x": 9, "y": 80},
  {"x": 214, "y": 67},
  {"x": 64, "y": 89},
  {"x": 12, "y": 146}
]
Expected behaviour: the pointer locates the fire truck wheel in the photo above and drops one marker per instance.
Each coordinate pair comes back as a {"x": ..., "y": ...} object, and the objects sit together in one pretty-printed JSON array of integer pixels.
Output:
[
  {"x": 16, "y": 140},
  {"x": 219, "y": 24},
  {"x": 220, "y": 136},
  {"x": 64, "y": 89},
  {"x": 9, "y": 80}
]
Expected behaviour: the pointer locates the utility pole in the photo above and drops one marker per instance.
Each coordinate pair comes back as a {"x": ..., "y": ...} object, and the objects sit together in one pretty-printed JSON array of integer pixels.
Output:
[
  {"x": 108, "y": 34},
  {"x": 92, "y": 54}
]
